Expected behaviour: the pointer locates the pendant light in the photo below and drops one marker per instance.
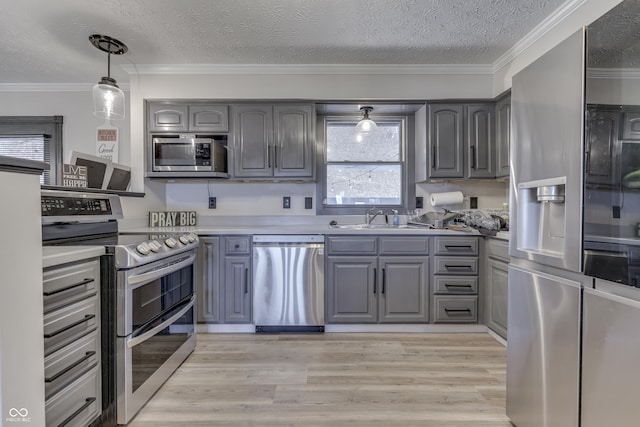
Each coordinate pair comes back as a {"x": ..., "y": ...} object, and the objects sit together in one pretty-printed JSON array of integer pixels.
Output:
[
  {"x": 366, "y": 124},
  {"x": 108, "y": 98}
]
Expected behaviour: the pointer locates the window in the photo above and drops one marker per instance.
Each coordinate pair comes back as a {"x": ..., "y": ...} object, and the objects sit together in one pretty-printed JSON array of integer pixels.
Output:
[
  {"x": 364, "y": 169},
  {"x": 33, "y": 138}
]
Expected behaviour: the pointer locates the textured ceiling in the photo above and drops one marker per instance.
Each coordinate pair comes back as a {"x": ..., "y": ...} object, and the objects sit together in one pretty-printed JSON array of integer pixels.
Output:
[
  {"x": 45, "y": 41},
  {"x": 614, "y": 39}
]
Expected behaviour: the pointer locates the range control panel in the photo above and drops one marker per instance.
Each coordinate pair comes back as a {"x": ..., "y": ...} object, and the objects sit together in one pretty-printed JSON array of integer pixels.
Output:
[{"x": 71, "y": 206}]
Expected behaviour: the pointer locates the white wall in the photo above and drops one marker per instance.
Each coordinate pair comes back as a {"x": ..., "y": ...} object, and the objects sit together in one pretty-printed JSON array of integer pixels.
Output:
[{"x": 613, "y": 91}]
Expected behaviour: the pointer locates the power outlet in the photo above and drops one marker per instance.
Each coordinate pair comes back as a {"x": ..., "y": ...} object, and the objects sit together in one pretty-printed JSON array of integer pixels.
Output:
[
  {"x": 286, "y": 202},
  {"x": 212, "y": 202},
  {"x": 616, "y": 211},
  {"x": 473, "y": 203},
  {"x": 308, "y": 202},
  {"x": 419, "y": 203}
]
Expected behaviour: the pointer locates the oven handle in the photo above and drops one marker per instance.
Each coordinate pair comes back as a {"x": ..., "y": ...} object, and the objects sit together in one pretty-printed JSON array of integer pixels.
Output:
[
  {"x": 140, "y": 279},
  {"x": 132, "y": 342}
]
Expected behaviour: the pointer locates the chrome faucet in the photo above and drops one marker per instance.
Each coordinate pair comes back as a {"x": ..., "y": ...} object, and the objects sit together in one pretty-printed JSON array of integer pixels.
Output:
[{"x": 368, "y": 218}]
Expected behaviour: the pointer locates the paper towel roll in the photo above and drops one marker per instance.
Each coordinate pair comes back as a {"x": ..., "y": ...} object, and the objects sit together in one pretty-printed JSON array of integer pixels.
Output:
[{"x": 450, "y": 198}]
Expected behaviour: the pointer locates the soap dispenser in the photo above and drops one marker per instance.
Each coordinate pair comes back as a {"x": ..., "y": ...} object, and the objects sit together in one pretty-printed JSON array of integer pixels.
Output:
[{"x": 396, "y": 218}]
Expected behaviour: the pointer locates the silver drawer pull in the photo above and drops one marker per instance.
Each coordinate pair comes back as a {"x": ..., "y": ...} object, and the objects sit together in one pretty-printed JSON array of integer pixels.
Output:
[
  {"x": 84, "y": 358},
  {"x": 88, "y": 401},
  {"x": 66, "y": 288},
  {"x": 86, "y": 318},
  {"x": 457, "y": 310}
]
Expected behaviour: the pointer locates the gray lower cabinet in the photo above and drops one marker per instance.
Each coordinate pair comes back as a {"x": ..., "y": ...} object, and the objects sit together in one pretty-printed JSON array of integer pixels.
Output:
[
  {"x": 454, "y": 284},
  {"x": 237, "y": 279},
  {"x": 496, "y": 285},
  {"x": 377, "y": 279},
  {"x": 208, "y": 284}
]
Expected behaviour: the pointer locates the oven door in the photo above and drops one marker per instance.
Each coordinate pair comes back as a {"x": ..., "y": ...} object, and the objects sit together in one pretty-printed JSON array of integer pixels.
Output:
[
  {"x": 181, "y": 154},
  {"x": 157, "y": 305}
]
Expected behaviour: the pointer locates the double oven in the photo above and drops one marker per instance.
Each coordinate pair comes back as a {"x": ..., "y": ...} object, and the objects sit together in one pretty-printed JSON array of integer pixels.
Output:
[{"x": 147, "y": 297}]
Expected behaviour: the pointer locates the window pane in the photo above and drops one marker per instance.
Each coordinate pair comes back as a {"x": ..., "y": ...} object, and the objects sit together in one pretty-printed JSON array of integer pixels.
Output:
[
  {"x": 364, "y": 184},
  {"x": 30, "y": 147},
  {"x": 344, "y": 144}
]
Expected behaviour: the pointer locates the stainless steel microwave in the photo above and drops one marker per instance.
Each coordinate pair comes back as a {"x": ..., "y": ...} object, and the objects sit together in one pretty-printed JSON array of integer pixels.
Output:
[{"x": 189, "y": 153}]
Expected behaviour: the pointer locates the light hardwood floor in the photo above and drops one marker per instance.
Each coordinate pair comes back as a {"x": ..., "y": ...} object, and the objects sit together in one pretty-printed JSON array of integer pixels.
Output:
[{"x": 336, "y": 380}]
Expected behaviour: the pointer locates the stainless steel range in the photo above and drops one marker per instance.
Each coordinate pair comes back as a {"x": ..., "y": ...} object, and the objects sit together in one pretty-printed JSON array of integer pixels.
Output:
[{"x": 147, "y": 296}]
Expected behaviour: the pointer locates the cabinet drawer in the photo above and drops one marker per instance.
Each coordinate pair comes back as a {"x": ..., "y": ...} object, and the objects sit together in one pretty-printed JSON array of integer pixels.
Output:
[
  {"x": 497, "y": 248},
  {"x": 78, "y": 404},
  {"x": 237, "y": 245},
  {"x": 455, "y": 285},
  {"x": 404, "y": 245},
  {"x": 455, "y": 309},
  {"x": 456, "y": 265},
  {"x": 456, "y": 245},
  {"x": 71, "y": 361},
  {"x": 62, "y": 286},
  {"x": 67, "y": 324},
  {"x": 352, "y": 245}
]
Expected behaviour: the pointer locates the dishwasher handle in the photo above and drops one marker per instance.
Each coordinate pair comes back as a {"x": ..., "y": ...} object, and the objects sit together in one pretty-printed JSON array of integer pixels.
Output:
[{"x": 287, "y": 239}]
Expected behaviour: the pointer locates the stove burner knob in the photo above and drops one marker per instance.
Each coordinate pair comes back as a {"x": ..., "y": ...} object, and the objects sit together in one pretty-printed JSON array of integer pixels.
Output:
[
  {"x": 192, "y": 237},
  {"x": 154, "y": 246},
  {"x": 184, "y": 239},
  {"x": 171, "y": 242},
  {"x": 143, "y": 248}
]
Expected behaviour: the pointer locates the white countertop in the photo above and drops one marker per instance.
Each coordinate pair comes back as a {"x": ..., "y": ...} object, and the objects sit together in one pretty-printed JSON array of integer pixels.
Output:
[{"x": 56, "y": 255}]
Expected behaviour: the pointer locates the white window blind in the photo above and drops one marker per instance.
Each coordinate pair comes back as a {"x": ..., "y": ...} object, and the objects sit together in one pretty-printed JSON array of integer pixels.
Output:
[{"x": 30, "y": 147}]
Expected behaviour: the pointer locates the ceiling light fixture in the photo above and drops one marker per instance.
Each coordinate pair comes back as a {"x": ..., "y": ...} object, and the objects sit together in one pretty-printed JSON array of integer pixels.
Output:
[
  {"x": 108, "y": 98},
  {"x": 366, "y": 124}
]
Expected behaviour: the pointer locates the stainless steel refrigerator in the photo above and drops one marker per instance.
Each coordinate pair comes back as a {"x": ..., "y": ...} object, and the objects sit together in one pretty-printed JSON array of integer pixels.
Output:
[{"x": 545, "y": 280}]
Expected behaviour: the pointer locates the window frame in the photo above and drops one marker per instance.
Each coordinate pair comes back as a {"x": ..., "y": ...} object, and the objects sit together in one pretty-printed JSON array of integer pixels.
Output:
[
  {"x": 38, "y": 125},
  {"x": 407, "y": 143}
]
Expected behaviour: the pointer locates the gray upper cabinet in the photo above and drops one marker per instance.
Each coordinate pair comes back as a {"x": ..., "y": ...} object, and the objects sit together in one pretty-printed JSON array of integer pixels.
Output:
[
  {"x": 253, "y": 140},
  {"x": 601, "y": 145},
  {"x": 631, "y": 124},
  {"x": 446, "y": 141},
  {"x": 479, "y": 139},
  {"x": 165, "y": 117},
  {"x": 503, "y": 135},
  {"x": 462, "y": 140},
  {"x": 209, "y": 118},
  {"x": 273, "y": 141},
  {"x": 183, "y": 117}
]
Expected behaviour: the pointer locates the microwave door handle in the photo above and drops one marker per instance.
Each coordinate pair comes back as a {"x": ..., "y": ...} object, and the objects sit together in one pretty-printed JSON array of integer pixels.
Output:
[{"x": 140, "y": 279}]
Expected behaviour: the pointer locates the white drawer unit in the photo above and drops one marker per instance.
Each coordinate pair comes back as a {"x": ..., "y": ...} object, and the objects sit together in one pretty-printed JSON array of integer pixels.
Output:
[
  {"x": 454, "y": 284},
  {"x": 73, "y": 382}
]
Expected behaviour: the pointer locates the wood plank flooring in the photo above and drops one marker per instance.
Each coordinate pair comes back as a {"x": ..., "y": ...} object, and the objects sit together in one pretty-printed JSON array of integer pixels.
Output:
[{"x": 336, "y": 380}]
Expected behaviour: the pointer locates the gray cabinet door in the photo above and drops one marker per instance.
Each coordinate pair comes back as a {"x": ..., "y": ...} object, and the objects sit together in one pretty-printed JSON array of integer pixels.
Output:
[
  {"x": 496, "y": 285},
  {"x": 479, "y": 137},
  {"x": 403, "y": 289},
  {"x": 253, "y": 140},
  {"x": 351, "y": 289},
  {"x": 503, "y": 136},
  {"x": 602, "y": 146},
  {"x": 446, "y": 141},
  {"x": 209, "y": 118},
  {"x": 237, "y": 295},
  {"x": 631, "y": 125},
  {"x": 165, "y": 117},
  {"x": 294, "y": 141},
  {"x": 208, "y": 284}
]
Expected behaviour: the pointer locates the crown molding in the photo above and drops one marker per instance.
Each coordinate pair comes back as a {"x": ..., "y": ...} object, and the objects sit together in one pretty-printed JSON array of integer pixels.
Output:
[
  {"x": 306, "y": 69},
  {"x": 53, "y": 87},
  {"x": 540, "y": 30},
  {"x": 614, "y": 73}
]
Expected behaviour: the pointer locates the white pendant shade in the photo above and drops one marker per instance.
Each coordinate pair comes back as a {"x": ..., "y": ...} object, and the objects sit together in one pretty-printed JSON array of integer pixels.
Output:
[
  {"x": 108, "y": 102},
  {"x": 366, "y": 125}
]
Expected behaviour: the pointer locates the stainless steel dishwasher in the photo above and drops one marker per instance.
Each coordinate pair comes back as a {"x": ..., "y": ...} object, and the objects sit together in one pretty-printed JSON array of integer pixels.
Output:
[{"x": 288, "y": 283}]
